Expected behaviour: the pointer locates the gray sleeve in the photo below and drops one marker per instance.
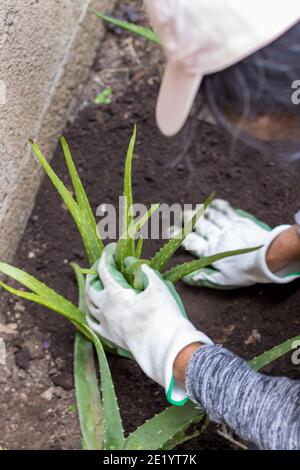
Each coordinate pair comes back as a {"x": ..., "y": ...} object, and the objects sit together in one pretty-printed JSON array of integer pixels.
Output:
[{"x": 261, "y": 409}]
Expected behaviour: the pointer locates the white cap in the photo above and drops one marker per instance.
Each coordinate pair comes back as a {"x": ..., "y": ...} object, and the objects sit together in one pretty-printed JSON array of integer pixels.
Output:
[{"x": 201, "y": 37}]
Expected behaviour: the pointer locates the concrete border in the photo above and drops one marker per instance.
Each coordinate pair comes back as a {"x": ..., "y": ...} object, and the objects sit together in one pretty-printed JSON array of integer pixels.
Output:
[{"x": 46, "y": 51}]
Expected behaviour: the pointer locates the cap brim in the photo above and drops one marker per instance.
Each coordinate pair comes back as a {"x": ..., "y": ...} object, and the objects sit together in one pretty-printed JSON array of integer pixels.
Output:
[{"x": 176, "y": 97}]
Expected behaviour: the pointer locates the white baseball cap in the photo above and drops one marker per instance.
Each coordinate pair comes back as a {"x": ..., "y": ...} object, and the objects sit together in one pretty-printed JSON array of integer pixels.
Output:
[{"x": 201, "y": 37}]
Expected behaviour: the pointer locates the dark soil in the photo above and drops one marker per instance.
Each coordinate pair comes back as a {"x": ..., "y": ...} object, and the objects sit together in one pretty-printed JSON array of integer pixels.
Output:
[{"x": 248, "y": 321}]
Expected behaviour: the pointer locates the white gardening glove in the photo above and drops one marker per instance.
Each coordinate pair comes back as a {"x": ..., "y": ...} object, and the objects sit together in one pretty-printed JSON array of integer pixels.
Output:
[
  {"x": 225, "y": 229},
  {"x": 150, "y": 324}
]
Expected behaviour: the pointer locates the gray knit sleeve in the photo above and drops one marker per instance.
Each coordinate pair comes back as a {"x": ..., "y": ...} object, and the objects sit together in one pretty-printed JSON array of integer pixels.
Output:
[{"x": 261, "y": 409}]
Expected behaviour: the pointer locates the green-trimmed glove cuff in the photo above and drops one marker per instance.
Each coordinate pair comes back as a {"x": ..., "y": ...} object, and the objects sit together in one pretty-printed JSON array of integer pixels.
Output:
[{"x": 175, "y": 390}]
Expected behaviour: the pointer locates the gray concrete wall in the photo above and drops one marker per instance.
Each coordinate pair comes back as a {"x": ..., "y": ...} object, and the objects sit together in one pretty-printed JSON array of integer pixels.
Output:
[{"x": 46, "y": 50}]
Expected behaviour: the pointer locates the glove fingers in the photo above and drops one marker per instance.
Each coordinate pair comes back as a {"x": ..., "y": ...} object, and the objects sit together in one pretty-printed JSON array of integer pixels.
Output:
[
  {"x": 94, "y": 311},
  {"x": 111, "y": 278},
  {"x": 210, "y": 229},
  {"x": 224, "y": 206},
  {"x": 220, "y": 212},
  {"x": 217, "y": 217},
  {"x": 215, "y": 278},
  {"x": 195, "y": 244},
  {"x": 206, "y": 277},
  {"x": 95, "y": 297},
  {"x": 96, "y": 327},
  {"x": 154, "y": 280},
  {"x": 105, "y": 275},
  {"x": 200, "y": 226}
]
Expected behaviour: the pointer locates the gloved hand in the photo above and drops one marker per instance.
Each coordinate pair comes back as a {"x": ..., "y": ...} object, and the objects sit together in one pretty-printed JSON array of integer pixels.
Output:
[
  {"x": 150, "y": 324},
  {"x": 224, "y": 229}
]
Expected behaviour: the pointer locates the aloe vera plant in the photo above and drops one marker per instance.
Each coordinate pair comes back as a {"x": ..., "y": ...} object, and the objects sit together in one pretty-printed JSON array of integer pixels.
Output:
[{"x": 98, "y": 411}]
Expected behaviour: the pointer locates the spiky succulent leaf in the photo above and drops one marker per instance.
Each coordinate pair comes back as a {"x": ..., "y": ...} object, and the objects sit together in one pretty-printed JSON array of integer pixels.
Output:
[
  {"x": 96, "y": 244},
  {"x": 91, "y": 242},
  {"x": 92, "y": 272},
  {"x": 155, "y": 433},
  {"x": 182, "y": 270},
  {"x": 132, "y": 265},
  {"x": 134, "y": 230},
  {"x": 133, "y": 273},
  {"x": 185, "y": 435},
  {"x": 128, "y": 215},
  {"x": 167, "y": 251},
  {"x": 43, "y": 295},
  {"x": 131, "y": 27},
  {"x": 273, "y": 354},
  {"x": 86, "y": 384},
  {"x": 113, "y": 429},
  {"x": 139, "y": 248},
  {"x": 88, "y": 394},
  {"x": 126, "y": 245},
  {"x": 40, "y": 293},
  {"x": 136, "y": 227}
]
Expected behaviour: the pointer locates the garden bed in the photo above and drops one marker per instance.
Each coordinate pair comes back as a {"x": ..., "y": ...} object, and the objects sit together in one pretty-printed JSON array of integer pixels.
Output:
[{"x": 37, "y": 404}]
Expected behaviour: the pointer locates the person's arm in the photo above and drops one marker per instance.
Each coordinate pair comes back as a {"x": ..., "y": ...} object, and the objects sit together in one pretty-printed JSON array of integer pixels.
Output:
[
  {"x": 285, "y": 250},
  {"x": 261, "y": 409}
]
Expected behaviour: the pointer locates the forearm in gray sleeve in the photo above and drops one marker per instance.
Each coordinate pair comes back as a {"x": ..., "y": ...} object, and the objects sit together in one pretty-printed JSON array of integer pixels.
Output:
[{"x": 261, "y": 409}]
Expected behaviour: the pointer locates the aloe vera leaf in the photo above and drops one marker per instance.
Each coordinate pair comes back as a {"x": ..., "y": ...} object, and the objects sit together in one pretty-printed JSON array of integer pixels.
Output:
[
  {"x": 84, "y": 204},
  {"x": 137, "y": 226},
  {"x": 86, "y": 384},
  {"x": 182, "y": 436},
  {"x": 273, "y": 354},
  {"x": 139, "y": 248},
  {"x": 44, "y": 301},
  {"x": 182, "y": 270},
  {"x": 80, "y": 193},
  {"x": 113, "y": 429},
  {"x": 88, "y": 394},
  {"x": 128, "y": 191},
  {"x": 108, "y": 410},
  {"x": 55, "y": 307},
  {"x": 166, "y": 252},
  {"x": 73, "y": 207},
  {"x": 134, "y": 274},
  {"x": 114, "y": 435},
  {"x": 126, "y": 245},
  {"x": 162, "y": 428},
  {"x": 131, "y": 27},
  {"x": 131, "y": 269},
  {"x": 92, "y": 272},
  {"x": 50, "y": 299},
  {"x": 46, "y": 296}
]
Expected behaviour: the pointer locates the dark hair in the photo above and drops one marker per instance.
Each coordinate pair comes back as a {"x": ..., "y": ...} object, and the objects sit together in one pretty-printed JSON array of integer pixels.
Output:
[{"x": 259, "y": 82}]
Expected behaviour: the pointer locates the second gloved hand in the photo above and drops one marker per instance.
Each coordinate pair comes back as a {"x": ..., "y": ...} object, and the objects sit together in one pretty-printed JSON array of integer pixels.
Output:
[
  {"x": 150, "y": 324},
  {"x": 226, "y": 229}
]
